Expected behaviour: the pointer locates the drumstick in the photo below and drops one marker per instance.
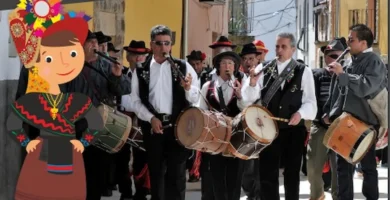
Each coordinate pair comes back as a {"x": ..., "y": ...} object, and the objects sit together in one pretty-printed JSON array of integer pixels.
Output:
[
  {"x": 167, "y": 126},
  {"x": 277, "y": 118}
]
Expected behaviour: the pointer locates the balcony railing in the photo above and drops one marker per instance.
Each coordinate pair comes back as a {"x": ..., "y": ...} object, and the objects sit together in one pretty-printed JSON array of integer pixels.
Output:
[{"x": 368, "y": 17}]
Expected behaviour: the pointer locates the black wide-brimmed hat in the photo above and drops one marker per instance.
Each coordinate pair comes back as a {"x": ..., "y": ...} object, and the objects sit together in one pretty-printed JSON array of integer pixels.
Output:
[
  {"x": 102, "y": 38},
  {"x": 111, "y": 47},
  {"x": 90, "y": 35},
  {"x": 222, "y": 41},
  {"x": 338, "y": 44},
  {"x": 249, "y": 49},
  {"x": 196, "y": 55},
  {"x": 217, "y": 59},
  {"x": 137, "y": 47}
]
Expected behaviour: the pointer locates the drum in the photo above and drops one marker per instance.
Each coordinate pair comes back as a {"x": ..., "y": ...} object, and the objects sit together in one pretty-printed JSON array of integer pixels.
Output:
[
  {"x": 349, "y": 137},
  {"x": 252, "y": 131},
  {"x": 135, "y": 136},
  {"x": 116, "y": 129},
  {"x": 203, "y": 130}
]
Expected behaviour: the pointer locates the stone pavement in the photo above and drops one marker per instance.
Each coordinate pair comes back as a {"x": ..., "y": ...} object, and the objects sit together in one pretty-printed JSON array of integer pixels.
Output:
[{"x": 193, "y": 189}]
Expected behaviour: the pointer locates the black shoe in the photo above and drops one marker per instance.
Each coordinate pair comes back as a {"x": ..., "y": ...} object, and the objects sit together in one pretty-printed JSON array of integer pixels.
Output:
[
  {"x": 107, "y": 193},
  {"x": 113, "y": 187},
  {"x": 326, "y": 188},
  {"x": 193, "y": 179}
]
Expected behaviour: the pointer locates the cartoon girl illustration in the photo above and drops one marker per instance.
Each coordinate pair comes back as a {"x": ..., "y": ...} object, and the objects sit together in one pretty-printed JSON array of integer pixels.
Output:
[{"x": 49, "y": 43}]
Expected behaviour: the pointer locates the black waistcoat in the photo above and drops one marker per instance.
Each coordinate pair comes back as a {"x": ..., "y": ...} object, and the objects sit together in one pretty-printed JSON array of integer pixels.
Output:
[
  {"x": 288, "y": 100},
  {"x": 232, "y": 108},
  {"x": 179, "y": 99},
  {"x": 322, "y": 79}
]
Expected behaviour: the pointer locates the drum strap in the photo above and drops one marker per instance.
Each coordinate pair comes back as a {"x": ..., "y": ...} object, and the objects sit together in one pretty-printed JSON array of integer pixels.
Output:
[{"x": 288, "y": 71}]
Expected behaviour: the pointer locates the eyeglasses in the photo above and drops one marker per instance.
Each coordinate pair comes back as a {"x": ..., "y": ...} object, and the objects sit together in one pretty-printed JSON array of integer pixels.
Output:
[
  {"x": 161, "y": 43},
  {"x": 333, "y": 56}
]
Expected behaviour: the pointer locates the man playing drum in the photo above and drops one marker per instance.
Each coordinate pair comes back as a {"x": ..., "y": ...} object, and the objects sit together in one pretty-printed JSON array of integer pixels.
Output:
[
  {"x": 287, "y": 90},
  {"x": 224, "y": 95},
  {"x": 161, "y": 94},
  {"x": 362, "y": 79},
  {"x": 317, "y": 153}
]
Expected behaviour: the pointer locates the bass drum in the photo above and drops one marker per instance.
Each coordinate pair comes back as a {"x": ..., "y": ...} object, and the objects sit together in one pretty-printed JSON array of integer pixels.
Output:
[{"x": 203, "y": 130}]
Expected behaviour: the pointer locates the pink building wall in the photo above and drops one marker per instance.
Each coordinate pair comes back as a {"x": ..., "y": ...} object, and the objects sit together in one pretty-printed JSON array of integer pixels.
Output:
[{"x": 205, "y": 24}]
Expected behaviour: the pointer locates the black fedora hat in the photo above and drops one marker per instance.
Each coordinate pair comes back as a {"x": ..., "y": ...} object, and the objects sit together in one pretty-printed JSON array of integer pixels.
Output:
[
  {"x": 90, "y": 35},
  {"x": 111, "y": 47},
  {"x": 249, "y": 48},
  {"x": 222, "y": 41},
  {"x": 338, "y": 44},
  {"x": 102, "y": 38},
  {"x": 137, "y": 47},
  {"x": 196, "y": 55},
  {"x": 217, "y": 59}
]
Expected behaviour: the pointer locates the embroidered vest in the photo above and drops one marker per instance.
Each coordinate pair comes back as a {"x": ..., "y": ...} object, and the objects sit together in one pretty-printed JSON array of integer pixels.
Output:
[
  {"x": 288, "y": 100},
  {"x": 232, "y": 108}
]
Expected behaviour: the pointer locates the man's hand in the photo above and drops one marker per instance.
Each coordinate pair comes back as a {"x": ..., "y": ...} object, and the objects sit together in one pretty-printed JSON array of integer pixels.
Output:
[
  {"x": 78, "y": 146},
  {"x": 336, "y": 68},
  {"x": 237, "y": 89},
  {"x": 187, "y": 85},
  {"x": 295, "y": 119},
  {"x": 325, "y": 118},
  {"x": 32, "y": 145},
  {"x": 156, "y": 125},
  {"x": 116, "y": 69},
  {"x": 254, "y": 78}
]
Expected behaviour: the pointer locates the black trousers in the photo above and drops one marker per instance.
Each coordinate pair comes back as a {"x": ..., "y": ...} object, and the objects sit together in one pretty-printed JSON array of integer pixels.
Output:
[
  {"x": 250, "y": 179},
  {"x": 206, "y": 180},
  {"x": 139, "y": 162},
  {"x": 167, "y": 165},
  {"x": 290, "y": 141},
  {"x": 95, "y": 167},
  {"x": 122, "y": 172},
  {"x": 226, "y": 174},
  {"x": 345, "y": 173}
]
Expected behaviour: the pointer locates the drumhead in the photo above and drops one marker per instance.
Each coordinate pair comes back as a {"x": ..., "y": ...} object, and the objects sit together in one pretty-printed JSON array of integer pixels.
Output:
[
  {"x": 269, "y": 131},
  {"x": 189, "y": 126},
  {"x": 364, "y": 146}
]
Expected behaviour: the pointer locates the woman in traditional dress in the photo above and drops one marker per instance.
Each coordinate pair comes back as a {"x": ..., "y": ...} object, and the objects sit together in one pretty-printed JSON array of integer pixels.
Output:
[{"x": 49, "y": 43}]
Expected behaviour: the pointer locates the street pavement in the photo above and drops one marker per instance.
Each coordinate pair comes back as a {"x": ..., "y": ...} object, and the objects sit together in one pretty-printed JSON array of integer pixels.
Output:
[{"x": 193, "y": 189}]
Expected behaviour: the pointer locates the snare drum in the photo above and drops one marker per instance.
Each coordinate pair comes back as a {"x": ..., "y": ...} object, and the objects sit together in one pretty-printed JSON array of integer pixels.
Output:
[
  {"x": 349, "y": 137},
  {"x": 253, "y": 130},
  {"x": 203, "y": 130},
  {"x": 116, "y": 129}
]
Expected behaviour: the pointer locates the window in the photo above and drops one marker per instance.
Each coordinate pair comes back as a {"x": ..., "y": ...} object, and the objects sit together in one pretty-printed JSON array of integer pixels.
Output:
[
  {"x": 321, "y": 28},
  {"x": 367, "y": 16}
]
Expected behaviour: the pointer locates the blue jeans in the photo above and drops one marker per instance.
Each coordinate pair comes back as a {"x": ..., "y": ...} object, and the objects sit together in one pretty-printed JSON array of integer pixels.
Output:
[{"x": 345, "y": 173}]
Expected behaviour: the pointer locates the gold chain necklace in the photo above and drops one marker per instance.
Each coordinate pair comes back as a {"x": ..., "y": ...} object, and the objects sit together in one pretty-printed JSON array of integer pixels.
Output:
[{"x": 54, "y": 104}]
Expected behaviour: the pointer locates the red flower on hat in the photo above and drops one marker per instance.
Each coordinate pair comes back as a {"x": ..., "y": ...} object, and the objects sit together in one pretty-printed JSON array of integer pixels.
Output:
[{"x": 203, "y": 56}]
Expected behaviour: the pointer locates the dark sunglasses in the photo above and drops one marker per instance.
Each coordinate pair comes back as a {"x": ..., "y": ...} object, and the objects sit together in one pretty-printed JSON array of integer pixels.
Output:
[
  {"x": 333, "y": 56},
  {"x": 161, "y": 43}
]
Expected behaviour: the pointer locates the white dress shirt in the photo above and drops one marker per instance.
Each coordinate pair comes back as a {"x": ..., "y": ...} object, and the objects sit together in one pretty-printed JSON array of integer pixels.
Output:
[
  {"x": 126, "y": 102},
  {"x": 308, "y": 109},
  {"x": 227, "y": 92},
  {"x": 160, "y": 90}
]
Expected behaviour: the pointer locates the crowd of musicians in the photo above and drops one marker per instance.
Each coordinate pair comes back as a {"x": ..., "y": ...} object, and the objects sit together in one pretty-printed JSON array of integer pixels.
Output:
[{"x": 155, "y": 89}]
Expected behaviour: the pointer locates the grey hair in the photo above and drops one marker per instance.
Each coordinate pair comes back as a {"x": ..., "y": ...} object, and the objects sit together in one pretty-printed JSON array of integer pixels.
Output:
[
  {"x": 288, "y": 36},
  {"x": 160, "y": 30}
]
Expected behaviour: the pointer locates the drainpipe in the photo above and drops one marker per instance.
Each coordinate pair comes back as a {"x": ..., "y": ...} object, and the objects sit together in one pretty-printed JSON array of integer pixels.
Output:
[{"x": 185, "y": 28}]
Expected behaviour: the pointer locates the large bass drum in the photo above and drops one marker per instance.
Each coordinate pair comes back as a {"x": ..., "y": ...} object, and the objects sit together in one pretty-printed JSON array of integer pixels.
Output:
[
  {"x": 252, "y": 131},
  {"x": 203, "y": 130}
]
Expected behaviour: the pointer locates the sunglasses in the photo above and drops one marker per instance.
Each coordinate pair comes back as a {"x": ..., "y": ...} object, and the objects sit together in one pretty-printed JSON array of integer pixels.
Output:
[
  {"x": 333, "y": 56},
  {"x": 161, "y": 43}
]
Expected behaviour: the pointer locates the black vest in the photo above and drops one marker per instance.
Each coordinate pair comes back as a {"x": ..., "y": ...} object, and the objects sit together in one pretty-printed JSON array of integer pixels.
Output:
[
  {"x": 179, "y": 99},
  {"x": 232, "y": 108},
  {"x": 287, "y": 101},
  {"x": 322, "y": 79}
]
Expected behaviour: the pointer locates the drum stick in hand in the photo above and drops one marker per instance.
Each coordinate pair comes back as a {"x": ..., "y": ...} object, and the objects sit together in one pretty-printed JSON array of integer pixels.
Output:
[
  {"x": 277, "y": 119},
  {"x": 167, "y": 126}
]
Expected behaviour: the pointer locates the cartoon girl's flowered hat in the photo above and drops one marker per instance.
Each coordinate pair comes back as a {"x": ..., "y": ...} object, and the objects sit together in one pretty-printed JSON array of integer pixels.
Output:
[{"x": 34, "y": 19}]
